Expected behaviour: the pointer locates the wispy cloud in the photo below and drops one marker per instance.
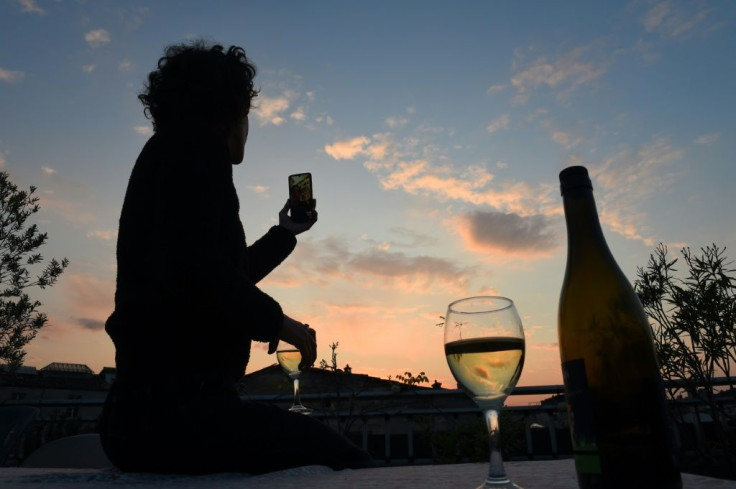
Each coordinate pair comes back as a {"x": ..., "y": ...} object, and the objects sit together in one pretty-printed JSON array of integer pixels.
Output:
[
  {"x": 641, "y": 172},
  {"x": 97, "y": 37},
  {"x": 259, "y": 189},
  {"x": 411, "y": 239},
  {"x": 30, "y": 7},
  {"x": 502, "y": 122},
  {"x": 409, "y": 273},
  {"x": 66, "y": 198},
  {"x": 396, "y": 122},
  {"x": 326, "y": 119},
  {"x": 11, "y": 76},
  {"x": 496, "y": 88},
  {"x": 143, "y": 130},
  {"x": 708, "y": 139},
  {"x": 125, "y": 65},
  {"x": 89, "y": 68},
  {"x": 334, "y": 260},
  {"x": 577, "y": 67},
  {"x": 299, "y": 114},
  {"x": 90, "y": 299},
  {"x": 103, "y": 234},
  {"x": 72, "y": 211},
  {"x": 630, "y": 177},
  {"x": 566, "y": 139},
  {"x": 674, "y": 19},
  {"x": 132, "y": 17}
]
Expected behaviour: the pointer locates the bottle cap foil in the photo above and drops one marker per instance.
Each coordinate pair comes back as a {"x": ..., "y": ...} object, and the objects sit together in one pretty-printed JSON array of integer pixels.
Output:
[{"x": 574, "y": 177}]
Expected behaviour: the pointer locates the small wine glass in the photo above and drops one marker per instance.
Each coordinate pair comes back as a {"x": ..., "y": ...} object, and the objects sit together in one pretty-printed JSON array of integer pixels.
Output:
[
  {"x": 484, "y": 346},
  {"x": 289, "y": 361}
]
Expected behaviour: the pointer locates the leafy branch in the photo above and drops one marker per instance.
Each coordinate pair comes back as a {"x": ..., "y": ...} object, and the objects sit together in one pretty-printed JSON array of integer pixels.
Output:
[{"x": 20, "y": 319}]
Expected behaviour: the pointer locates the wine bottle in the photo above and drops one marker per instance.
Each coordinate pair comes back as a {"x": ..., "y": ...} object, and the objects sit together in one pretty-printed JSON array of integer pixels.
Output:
[{"x": 617, "y": 409}]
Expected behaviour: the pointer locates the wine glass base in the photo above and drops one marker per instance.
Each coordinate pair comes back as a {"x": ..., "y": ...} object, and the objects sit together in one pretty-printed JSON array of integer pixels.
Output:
[
  {"x": 298, "y": 408},
  {"x": 498, "y": 483}
]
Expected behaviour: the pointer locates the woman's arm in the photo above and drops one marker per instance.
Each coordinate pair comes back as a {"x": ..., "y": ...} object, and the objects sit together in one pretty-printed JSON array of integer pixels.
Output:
[{"x": 269, "y": 251}]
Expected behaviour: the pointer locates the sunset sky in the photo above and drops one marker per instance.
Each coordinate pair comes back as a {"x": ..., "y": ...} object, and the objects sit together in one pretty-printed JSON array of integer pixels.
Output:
[{"x": 434, "y": 130}]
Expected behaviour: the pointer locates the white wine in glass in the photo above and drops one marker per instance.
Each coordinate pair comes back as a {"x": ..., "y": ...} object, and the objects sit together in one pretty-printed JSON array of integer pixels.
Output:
[
  {"x": 289, "y": 361},
  {"x": 484, "y": 347}
]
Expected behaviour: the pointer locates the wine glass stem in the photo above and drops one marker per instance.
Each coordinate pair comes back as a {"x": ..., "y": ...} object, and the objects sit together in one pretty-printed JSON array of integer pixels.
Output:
[
  {"x": 297, "y": 399},
  {"x": 496, "y": 470}
]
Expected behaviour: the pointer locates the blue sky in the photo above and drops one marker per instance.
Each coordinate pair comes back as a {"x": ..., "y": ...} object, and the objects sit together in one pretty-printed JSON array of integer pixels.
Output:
[{"x": 434, "y": 132}]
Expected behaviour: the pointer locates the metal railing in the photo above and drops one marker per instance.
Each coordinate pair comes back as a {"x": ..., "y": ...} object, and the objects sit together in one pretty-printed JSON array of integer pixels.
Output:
[
  {"x": 378, "y": 413},
  {"x": 411, "y": 405}
]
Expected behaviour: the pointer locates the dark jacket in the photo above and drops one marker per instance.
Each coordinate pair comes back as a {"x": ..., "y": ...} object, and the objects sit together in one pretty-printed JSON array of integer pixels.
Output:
[{"x": 186, "y": 297}]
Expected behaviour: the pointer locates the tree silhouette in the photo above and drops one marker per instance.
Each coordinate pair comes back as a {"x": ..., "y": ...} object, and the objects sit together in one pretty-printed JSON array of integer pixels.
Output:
[
  {"x": 693, "y": 321},
  {"x": 410, "y": 379},
  {"x": 20, "y": 319}
]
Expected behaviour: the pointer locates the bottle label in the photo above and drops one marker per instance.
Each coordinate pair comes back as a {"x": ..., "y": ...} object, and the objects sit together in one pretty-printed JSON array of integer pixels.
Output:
[{"x": 580, "y": 417}]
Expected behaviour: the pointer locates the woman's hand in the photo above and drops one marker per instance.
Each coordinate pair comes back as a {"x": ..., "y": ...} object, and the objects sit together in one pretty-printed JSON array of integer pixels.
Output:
[
  {"x": 296, "y": 227},
  {"x": 302, "y": 337}
]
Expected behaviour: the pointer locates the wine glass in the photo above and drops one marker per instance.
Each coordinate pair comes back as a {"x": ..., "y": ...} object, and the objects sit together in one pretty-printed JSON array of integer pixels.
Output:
[
  {"x": 484, "y": 346},
  {"x": 289, "y": 361}
]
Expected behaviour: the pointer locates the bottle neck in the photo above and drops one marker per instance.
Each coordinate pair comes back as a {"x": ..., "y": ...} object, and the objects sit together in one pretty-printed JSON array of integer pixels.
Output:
[{"x": 584, "y": 232}]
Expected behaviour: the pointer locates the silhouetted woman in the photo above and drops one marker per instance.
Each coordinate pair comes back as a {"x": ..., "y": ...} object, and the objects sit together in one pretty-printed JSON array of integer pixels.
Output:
[{"x": 186, "y": 305}]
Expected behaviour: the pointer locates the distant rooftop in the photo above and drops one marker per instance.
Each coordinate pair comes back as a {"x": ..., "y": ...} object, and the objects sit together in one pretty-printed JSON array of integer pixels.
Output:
[
  {"x": 67, "y": 368},
  {"x": 57, "y": 375}
]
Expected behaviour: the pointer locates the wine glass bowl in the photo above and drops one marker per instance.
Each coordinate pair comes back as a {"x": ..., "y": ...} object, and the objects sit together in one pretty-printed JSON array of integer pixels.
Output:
[
  {"x": 484, "y": 347},
  {"x": 289, "y": 361}
]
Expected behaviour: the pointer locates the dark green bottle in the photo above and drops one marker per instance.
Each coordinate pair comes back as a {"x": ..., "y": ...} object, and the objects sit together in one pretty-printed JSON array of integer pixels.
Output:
[{"x": 616, "y": 402}]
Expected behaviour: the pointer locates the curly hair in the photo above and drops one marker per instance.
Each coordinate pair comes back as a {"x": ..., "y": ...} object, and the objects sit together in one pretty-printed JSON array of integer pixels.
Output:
[{"x": 201, "y": 81}]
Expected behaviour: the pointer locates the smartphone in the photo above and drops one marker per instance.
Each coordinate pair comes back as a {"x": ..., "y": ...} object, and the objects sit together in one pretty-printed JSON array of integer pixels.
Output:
[{"x": 301, "y": 197}]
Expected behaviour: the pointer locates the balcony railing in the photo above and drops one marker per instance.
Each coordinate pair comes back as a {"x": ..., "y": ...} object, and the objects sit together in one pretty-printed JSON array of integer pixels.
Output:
[{"x": 392, "y": 416}]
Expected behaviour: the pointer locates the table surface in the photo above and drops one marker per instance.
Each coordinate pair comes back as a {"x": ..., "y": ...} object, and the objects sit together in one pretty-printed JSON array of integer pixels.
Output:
[{"x": 543, "y": 474}]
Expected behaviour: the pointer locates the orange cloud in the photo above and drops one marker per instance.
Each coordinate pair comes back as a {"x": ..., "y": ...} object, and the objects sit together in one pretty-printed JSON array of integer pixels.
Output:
[
  {"x": 408, "y": 165},
  {"x": 349, "y": 149},
  {"x": 270, "y": 110},
  {"x": 473, "y": 185}
]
